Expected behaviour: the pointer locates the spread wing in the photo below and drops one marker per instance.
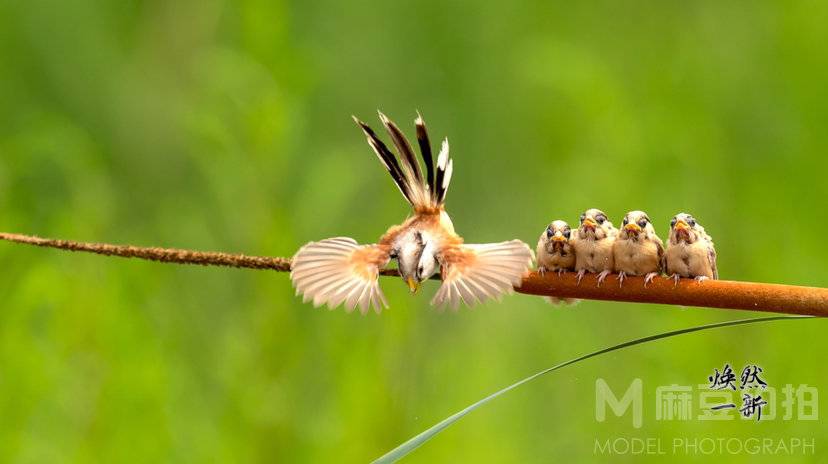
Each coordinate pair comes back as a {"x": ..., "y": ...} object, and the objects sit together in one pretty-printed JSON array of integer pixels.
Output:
[
  {"x": 338, "y": 270},
  {"x": 474, "y": 273}
]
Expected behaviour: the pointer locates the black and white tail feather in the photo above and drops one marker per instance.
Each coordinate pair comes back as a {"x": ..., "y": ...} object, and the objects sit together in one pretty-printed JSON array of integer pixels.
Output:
[{"x": 421, "y": 193}]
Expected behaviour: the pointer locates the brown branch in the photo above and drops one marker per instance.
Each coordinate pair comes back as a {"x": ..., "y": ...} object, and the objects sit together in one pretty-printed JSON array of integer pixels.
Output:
[
  {"x": 164, "y": 255},
  {"x": 726, "y": 294}
]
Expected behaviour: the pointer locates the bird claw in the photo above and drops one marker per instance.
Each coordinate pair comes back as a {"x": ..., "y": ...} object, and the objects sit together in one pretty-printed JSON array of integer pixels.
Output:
[
  {"x": 701, "y": 279},
  {"x": 621, "y": 276},
  {"x": 675, "y": 278},
  {"x": 541, "y": 270},
  {"x": 560, "y": 272},
  {"x": 580, "y": 276},
  {"x": 602, "y": 276},
  {"x": 648, "y": 279}
]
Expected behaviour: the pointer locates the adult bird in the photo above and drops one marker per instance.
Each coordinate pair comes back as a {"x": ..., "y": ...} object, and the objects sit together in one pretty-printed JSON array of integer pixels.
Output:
[{"x": 338, "y": 270}]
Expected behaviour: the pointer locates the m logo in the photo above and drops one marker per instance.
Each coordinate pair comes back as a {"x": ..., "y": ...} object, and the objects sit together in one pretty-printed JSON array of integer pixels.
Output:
[{"x": 604, "y": 396}]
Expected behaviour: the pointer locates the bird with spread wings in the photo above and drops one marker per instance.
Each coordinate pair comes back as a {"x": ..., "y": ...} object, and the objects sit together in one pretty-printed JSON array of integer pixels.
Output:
[{"x": 339, "y": 270}]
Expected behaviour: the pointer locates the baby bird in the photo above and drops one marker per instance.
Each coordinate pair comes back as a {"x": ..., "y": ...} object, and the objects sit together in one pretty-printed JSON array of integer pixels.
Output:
[
  {"x": 593, "y": 245},
  {"x": 690, "y": 251},
  {"x": 554, "y": 251},
  {"x": 637, "y": 249},
  {"x": 338, "y": 270}
]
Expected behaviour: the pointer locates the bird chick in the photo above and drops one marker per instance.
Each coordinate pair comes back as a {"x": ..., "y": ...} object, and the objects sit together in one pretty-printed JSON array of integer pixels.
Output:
[
  {"x": 554, "y": 251},
  {"x": 637, "y": 249},
  {"x": 690, "y": 251},
  {"x": 556, "y": 254},
  {"x": 593, "y": 245}
]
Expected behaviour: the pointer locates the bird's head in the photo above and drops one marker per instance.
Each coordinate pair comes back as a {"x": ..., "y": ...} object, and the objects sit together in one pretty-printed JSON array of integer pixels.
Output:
[
  {"x": 594, "y": 225},
  {"x": 684, "y": 228},
  {"x": 557, "y": 237},
  {"x": 416, "y": 260},
  {"x": 636, "y": 225}
]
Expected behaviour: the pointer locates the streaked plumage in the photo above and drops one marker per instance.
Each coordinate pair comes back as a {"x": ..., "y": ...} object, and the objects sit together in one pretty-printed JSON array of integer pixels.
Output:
[
  {"x": 637, "y": 249},
  {"x": 690, "y": 251},
  {"x": 593, "y": 245},
  {"x": 338, "y": 270}
]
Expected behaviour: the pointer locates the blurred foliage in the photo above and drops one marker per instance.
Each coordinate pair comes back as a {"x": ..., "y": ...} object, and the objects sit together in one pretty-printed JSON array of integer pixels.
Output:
[{"x": 225, "y": 126}]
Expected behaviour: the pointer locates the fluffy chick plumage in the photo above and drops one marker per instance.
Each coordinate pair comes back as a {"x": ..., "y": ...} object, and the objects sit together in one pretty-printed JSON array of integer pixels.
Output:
[
  {"x": 690, "y": 251},
  {"x": 593, "y": 243},
  {"x": 554, "y": 251},
  {"x": 637, "y": 250}
]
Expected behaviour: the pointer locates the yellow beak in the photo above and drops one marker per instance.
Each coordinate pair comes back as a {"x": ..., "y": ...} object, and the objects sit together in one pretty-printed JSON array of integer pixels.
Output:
[
  {"x": 590, "y": 222},
  {"x": 413, "y": 285},
  {"x": 633, "y": 227},
  {"x": 558, "y": 238},
  {"x": 681, "y": 225}
]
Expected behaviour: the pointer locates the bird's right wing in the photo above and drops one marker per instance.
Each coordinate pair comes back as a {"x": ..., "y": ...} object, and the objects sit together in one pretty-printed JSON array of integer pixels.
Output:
[
  {"x": 338, "y": 270},
  {"x": 711, "y": 256},
  {"x": 474, "y": 273}
]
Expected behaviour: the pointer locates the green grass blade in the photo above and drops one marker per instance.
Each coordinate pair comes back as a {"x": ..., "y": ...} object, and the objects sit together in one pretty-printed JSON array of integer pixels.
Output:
[{"x": 417, "y": 441}]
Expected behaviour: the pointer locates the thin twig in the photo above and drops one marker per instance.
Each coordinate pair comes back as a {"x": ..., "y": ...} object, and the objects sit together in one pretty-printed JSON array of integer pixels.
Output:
[
  {"x": 788, "y": 299},
  {"x": 164, "y": 255}
]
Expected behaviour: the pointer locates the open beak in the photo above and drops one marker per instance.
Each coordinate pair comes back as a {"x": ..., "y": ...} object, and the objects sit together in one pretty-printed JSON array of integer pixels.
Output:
[
  {"x": 413, "y": 285},
  {"x": 633, "y": 227},
  {"x": 590, "y": 223}
]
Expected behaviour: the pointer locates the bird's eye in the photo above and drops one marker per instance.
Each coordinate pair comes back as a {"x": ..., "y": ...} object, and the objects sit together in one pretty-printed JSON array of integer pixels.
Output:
[
  {"x": 600, "y": 218},
  {"x": 642, "y": 223},
  {"x": 673, "y": 222},
  {"x": 549, "y": 232},
  {"x": 583, "y": 216},
  {"x": 626, "y": 221},
  {"x": 566, "y": 234},
  {"x": 420, "y": 270},
  {"x": 692, "y": 222}
]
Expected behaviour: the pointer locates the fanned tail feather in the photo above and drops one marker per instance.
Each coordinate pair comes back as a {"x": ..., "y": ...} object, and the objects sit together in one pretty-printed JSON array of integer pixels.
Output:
[
  {"x": 445, "y": 166},
  {"x": 410, "y": 165},
  {"x": 387, "y": 159},
  {"x": 425, "y": 152},
  {"x": 422, "y": 193}
]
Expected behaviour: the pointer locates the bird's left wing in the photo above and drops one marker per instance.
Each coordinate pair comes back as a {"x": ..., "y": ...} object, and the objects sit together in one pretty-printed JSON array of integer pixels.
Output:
[
  {"x": 711, "y": 256},
  {"x": 662, "y": 265},
  {"x": 474, "y": 273},
  {"x": 338, "y": 270}
]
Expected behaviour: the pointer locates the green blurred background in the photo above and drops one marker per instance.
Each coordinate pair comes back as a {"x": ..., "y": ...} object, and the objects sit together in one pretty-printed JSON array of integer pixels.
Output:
[{"x": 226, "y": 126}]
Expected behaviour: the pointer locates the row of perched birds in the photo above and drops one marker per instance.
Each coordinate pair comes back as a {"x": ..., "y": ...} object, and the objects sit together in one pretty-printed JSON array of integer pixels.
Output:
[{"x": 596, "y": 246}]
